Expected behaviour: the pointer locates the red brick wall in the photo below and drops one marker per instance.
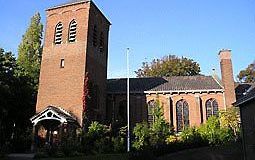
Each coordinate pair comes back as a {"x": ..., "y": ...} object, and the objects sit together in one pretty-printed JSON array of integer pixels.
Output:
[
  {"x": 227, "y": 76},
  {"x": 138, "y": 105},
  {"x": 64, "y": 86}
]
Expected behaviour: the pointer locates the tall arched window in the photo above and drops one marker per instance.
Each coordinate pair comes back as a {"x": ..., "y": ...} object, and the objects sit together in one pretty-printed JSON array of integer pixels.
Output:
[
  {"x": 58, "y": 33},
  {"x": 211, "y": 108},
  {"x": 94, "y": 36},
  {"x": 151, "y": 106},
  {"x": 182, "y": 115},
  {"x": 101, "y": 42},
  {"x": 72, "y": 31}
]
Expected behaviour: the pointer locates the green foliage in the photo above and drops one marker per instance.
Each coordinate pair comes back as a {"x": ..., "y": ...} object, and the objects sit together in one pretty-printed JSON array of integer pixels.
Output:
[
  {"x": 191, "y": 135},
  {"x": 15, "y": 95},
  {"x": 170, "y": 65},
  {"x": 160, "y": 129},
  {"x": 30, "y": 50},
  {"x": 97, "y": 130},
  {"x": 229, "y": 119},
  {"x": 214, "y": 134},
  {"x": 210, "y": 130},
  {"x": 153, "y": 135},
  {"x": 171, "y": 139},
  {"x": 118, "y": 144},
  {"x": 142, "y": 134},
  {"x": 247, "y": 75}
]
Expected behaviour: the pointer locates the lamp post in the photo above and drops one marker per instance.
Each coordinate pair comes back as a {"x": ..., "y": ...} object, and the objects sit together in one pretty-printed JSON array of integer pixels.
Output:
[{"x": 128, "y": 125}]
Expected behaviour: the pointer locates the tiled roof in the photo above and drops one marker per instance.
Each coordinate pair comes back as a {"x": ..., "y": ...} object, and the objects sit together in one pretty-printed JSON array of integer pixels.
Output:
[
  {"x": 241, "y": 88},
  {"x": 174, "y": 83},
  {"x": 136, "y": 84},
  {"x": 70, "y": 2},
  {"x": 177, "y": 83},
  {"x": 247, "y": 96}
]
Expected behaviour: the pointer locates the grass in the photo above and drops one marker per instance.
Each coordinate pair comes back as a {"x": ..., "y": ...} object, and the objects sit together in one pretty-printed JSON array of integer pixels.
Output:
[
  {"x": 95, "y": 157},
  {"x": 229, "y": 152}
]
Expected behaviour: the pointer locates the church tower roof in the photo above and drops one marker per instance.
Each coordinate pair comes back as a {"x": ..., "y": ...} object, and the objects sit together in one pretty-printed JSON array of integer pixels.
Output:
[{"x": 69, "y": 3}]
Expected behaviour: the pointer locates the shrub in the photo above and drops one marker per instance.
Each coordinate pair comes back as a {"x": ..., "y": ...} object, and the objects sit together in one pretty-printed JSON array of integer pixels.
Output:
[
  {"x": 191, "y": 135},
  {"x": 118, "y": 144},
  {"x": 210, "y": 130},
  {"x": 159, "y": 129},
  {"x": 171, "y": 139},
  {"x": 142, "y": 134},
  {"x": 229, "y": 119},
  {"x": 97, "y": 130}
]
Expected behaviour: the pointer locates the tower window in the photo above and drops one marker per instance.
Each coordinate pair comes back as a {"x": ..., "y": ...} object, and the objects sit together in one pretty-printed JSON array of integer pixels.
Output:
[
  {"x": 62, "y": 63},
  {"x": 95, "y": 36},
  {"x": 58, "y": 33},
  {"x": 101, "y": 43},
  {"x": 72, "y": 31}
]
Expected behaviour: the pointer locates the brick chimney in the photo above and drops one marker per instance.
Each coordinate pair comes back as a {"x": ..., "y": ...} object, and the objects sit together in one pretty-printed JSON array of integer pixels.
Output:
[{"x": 227, "y": 76}]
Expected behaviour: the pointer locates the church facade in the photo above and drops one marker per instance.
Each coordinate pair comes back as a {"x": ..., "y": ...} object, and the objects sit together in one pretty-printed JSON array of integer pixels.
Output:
[{"x": 76, "y": 45}]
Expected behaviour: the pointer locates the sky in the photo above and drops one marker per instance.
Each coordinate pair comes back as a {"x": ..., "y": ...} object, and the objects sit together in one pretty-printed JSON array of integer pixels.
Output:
[{"x": 196, "y": 29}]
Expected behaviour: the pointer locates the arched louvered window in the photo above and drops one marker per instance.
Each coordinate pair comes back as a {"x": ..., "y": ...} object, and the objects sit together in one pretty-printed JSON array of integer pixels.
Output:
[
  {"x": 101, "y": 42},
  {"x": 151, "y": 106},
  {"x": 182, "y": 115},
  {"x": 94, "y": 36},
  {"x": 58, "y": 33},
  {"x": 72, "y": 31},
  {"x": 211, "y": 108}
]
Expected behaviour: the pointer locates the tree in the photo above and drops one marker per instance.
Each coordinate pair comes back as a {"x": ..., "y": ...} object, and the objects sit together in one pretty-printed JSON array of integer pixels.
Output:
[
  {"x": 16, "y": 95},
  {"x": 30, "y": 50},
  {"x": 247, "y": 75},
  {"x": 170, "y": 65},
  {"x": 152, "y": 135},
  {"x": 7, "y": 65},
  {"x": 230, "y": 119}
]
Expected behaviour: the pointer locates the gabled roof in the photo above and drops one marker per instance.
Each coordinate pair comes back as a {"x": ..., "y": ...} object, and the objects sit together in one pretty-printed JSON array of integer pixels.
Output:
[
  {"x": 53, "y": 113},
  {"x": 173, "y": 83}
]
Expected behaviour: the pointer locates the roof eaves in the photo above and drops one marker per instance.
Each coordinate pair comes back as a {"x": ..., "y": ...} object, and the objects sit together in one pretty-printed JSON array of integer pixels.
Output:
[
  {"x": 68, "y": 4},
  {"x": 185, "y": 91},
  {"x": 245, "y": 100}
]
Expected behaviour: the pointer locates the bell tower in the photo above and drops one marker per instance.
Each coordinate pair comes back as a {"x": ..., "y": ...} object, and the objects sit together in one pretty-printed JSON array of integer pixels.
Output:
[{"x": 75, "y": 43}]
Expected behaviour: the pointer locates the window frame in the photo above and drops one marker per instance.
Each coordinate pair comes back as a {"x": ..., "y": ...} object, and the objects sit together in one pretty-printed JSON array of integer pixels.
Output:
[
  {"x": 182, "y": 115},
  {"x": 58, "y": 33},
  {"x": 72, "y": 32}
]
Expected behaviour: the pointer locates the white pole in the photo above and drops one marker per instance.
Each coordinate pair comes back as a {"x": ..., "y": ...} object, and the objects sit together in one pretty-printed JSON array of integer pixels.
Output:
[{"x": 128, "y": 125}]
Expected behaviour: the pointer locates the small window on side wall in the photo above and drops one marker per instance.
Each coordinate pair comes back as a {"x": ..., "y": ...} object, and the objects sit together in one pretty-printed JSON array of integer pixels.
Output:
[
  {"x": 58, "y": 33},
  {"x": 62, "y": 63}
]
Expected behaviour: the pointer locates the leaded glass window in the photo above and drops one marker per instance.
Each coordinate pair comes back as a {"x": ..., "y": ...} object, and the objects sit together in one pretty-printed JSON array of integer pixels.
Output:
[
  {"x": 58, "y": 33},
  {"x": 212, "y": 108},
  {"x": 182, "y": 115}
]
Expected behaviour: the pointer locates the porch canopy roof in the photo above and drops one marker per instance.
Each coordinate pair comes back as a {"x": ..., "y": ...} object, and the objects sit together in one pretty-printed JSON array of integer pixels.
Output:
[{"x": 53, "y": 113}]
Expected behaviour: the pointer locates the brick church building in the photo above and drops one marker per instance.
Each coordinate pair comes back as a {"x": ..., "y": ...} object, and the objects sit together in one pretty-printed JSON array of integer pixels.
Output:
[{"x": 76, "y": 43}]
